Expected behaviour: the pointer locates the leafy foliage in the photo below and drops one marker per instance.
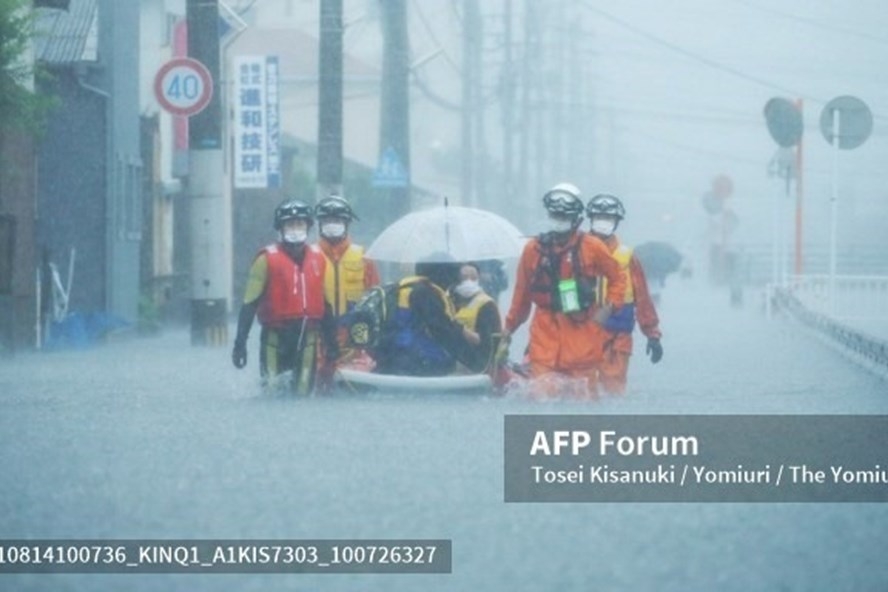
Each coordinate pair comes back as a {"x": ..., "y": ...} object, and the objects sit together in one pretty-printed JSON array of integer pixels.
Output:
[{"x": 20, "y": 108}]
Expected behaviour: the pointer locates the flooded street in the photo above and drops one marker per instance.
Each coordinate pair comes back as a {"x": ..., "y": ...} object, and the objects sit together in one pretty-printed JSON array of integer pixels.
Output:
[
  {"x": 178, "y": 169},
  {"x": 150, "y": 438}
]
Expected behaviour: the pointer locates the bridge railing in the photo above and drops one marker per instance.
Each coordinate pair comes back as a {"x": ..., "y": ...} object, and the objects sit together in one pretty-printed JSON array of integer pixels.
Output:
[{"x": 849, "y": 312}]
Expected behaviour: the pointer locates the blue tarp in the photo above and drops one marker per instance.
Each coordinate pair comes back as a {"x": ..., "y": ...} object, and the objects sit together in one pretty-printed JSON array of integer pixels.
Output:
[{"x": 79, "y": 330}]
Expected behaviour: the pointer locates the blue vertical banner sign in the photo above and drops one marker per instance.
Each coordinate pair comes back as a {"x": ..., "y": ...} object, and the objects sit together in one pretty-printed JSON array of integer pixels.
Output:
[
  {"x": 273, "y": 121},
  {"x": 256, "y": 126}
]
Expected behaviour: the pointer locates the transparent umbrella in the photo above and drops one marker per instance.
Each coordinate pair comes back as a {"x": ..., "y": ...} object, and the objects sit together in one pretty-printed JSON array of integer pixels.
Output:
[{"x": 460, "y": 233}]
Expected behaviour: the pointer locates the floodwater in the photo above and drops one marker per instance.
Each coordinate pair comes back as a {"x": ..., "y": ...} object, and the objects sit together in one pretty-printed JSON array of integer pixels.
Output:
[{"x": 149, "y": 438}]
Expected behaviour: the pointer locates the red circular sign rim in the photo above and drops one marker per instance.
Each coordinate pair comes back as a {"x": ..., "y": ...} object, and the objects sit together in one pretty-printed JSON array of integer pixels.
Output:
[{"x": 201, "y": 70}]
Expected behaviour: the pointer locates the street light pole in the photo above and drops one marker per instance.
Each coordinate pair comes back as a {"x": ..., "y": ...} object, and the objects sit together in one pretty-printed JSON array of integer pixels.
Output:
[{"x": 833, "y": 210}]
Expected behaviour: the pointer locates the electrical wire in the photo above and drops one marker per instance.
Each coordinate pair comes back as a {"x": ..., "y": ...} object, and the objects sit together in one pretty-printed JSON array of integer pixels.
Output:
[
  {"x": 434, "y": 38},
  {"x": 696, "y": 57},
  {"x": 812, "y": 22}
]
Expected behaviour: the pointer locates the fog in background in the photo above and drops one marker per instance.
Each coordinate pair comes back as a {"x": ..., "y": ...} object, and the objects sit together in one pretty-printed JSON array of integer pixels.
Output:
[
  {"x": 152, "y": 437},
  {"x": 646, "y": 100}
]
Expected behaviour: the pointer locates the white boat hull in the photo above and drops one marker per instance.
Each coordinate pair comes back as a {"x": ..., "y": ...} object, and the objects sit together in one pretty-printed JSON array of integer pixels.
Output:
[{"x": 418, "y": 384}]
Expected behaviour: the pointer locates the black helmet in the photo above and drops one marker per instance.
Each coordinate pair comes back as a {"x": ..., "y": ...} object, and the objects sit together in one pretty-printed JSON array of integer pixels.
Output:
[
  {"x": 292, "y": 209},
  {"x": 605, "y": 204},
  {"x": 335, "y": 206},
  {"x": 565, "y": 200}
]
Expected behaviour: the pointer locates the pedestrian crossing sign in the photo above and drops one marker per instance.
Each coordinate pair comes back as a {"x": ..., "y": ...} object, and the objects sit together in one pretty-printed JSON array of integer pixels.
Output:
[{"x": 390, "y": 172}]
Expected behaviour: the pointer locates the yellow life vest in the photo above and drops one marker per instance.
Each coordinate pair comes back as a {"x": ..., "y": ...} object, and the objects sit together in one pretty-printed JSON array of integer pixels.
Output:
[
  {"x": 467, "y": 316},
  {"x": 405, "y": 287},
  {"x": 344, "y": 280},
  {"x": 623, "y": 255}
]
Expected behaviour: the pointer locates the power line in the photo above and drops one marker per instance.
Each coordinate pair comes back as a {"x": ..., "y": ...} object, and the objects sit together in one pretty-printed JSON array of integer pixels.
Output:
[
  {"x": 700, "y": 116},
  {"x": 662, "y": 143},
  {"x": 812, "y": 22},
  {"x": 696, "y": 57},
  {"x": 425, "y": 23}
]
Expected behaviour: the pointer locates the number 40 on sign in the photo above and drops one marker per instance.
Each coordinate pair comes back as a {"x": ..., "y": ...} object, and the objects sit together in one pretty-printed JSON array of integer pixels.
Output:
[{"x": 183, "y": 86}]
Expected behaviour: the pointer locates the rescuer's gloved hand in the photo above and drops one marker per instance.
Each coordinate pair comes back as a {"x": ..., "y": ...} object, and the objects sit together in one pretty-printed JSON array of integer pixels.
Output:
[
  {"x": 654, "y": 350},
  {"x": 501, "y": 355},
  {"x": 239, "y": 354}
]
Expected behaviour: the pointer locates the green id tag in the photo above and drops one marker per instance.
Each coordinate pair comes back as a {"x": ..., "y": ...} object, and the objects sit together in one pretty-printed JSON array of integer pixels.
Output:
[{"x": 570, "y": 297}]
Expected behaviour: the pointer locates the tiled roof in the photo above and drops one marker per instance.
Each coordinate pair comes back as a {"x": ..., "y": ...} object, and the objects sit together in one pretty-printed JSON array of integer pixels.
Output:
[{"x": 66, "y": 37}]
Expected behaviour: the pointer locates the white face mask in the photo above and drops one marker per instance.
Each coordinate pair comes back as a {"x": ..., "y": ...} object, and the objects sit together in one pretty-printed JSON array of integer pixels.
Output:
[
  {"x": 603, "y": 226},
  {"x": 333, "y": 230},
  {"x": 467, "y": 288},
  {"x": 295, "y": 237},
  {"x": 559, "y": 226}
]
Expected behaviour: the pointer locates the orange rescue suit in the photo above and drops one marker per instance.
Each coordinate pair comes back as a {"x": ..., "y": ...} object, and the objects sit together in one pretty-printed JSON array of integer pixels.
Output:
[
  {"x": 561, "y": 342},
  {"x": 614, "y": 365}
]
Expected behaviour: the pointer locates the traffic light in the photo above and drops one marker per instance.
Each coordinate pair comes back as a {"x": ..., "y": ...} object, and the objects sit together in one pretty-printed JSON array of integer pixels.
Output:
[{"x": 784, "y": 122}]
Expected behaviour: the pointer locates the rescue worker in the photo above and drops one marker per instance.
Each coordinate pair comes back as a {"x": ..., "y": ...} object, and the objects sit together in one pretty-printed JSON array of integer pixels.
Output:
[
  {"x": 478, "y": 313},
  {"x": 605, "y": 213},
  {"x": 285, "y": 288},
  {"x": 421, "y": 336},
  {"x": 558, "y": 273},
  {"x": 348, "y": 273}
]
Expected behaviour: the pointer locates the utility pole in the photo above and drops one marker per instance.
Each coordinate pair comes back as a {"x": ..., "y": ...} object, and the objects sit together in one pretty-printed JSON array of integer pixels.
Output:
[
  {"x": 394, "y": 130},
  {"x": 508, "y": 100},
  {"x": 476, "y": 23},
  {"x": 540, "y": 104},
  {"x": 579, "y": 163},
  {"x": 556, "y": 88},
  {"x": 330, "y": 100},
  {"x": 798, "y": 268},
  {"x": 527, "y": 82},
  {"x": 210, "y": 220},
  {"x": 470, "y": 49}
]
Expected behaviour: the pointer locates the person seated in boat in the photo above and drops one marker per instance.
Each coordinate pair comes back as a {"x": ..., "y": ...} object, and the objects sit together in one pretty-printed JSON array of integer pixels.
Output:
[
  {"x": 479, "y": 315},
  {"x": 421, "y": 336}
]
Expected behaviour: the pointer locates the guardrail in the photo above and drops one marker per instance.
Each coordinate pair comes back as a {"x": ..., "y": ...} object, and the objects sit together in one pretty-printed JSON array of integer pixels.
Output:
[
  {"x": 757, "y": 264},
  {"x": 852, "y": 297},
  {"x": 806, "y": 298}
]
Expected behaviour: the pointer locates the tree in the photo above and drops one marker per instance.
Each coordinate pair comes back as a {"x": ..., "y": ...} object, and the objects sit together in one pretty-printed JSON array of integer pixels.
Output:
[{"x": 21, "y": 109}]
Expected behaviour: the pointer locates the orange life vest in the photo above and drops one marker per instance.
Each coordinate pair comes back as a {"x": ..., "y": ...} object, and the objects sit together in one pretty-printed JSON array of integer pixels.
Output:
[{"x": 292, "y": 291}]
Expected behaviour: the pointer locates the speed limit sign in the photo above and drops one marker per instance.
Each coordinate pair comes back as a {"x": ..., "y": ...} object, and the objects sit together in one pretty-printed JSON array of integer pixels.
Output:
[{"x": 183, "y": 86}]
